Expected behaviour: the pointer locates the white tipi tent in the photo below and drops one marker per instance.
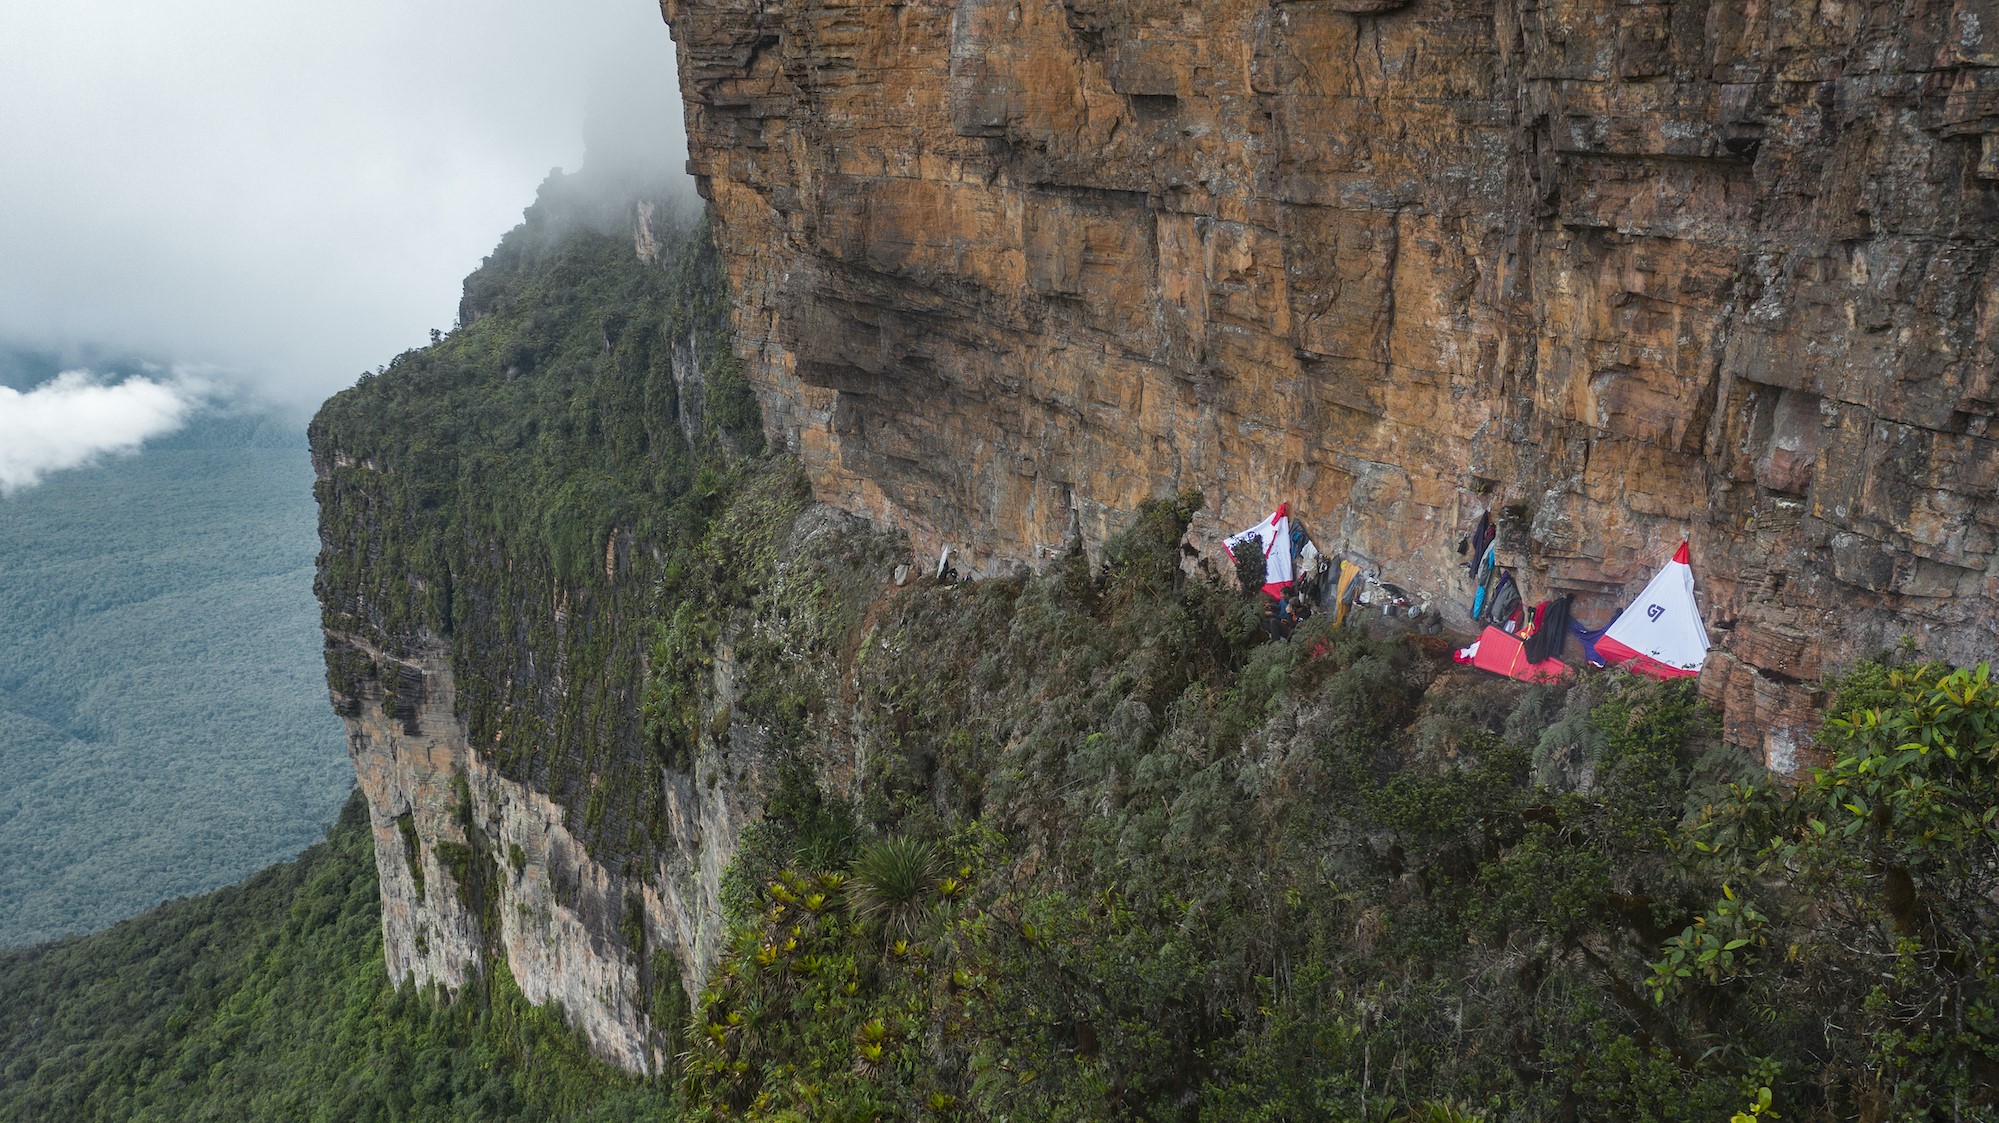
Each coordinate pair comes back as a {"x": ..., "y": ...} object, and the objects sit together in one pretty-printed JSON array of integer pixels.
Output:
[
  {"x": 1660, "y": 633},
  {"x": 1272, "y": 537}
]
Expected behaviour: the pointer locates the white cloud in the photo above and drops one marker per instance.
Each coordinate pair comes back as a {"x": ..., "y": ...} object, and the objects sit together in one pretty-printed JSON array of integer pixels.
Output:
[
  {"x": 74, "y": 418},
  {"x": 292, "y": 192}
]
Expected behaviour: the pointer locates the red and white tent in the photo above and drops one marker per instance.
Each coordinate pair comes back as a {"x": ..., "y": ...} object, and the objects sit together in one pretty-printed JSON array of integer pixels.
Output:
[
  {"x": 1272, "y": 537},
  {"x": 1660, "y": 633}
]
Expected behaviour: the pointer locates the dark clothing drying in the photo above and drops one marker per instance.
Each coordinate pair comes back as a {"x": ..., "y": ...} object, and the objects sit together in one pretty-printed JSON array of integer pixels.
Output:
[
  {"x": 1481, "y": 537},
  {"x": 1505, "y": 602},
  {"x": 1551, "y": 630}
]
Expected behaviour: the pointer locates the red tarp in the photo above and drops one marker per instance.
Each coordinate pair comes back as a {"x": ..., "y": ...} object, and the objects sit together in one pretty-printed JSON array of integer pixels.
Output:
[{"x": 1502, "y": 654}]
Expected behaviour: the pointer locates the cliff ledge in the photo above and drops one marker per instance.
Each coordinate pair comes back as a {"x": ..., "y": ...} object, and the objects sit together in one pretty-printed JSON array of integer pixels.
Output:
[{"x": 1619, "y": 273}]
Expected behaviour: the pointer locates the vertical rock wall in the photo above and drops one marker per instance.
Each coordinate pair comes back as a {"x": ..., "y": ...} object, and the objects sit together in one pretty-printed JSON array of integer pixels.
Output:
[
  {"x": 1620, "y": 272},
  {"x": 501, "y": 870},
  {"x": 490, "y": 577},
  {"x": 477, "y": 864}
]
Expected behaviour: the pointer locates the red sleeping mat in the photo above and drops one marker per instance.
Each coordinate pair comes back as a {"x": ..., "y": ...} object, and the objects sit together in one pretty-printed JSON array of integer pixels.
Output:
[{"x": 1502, "y": 654}]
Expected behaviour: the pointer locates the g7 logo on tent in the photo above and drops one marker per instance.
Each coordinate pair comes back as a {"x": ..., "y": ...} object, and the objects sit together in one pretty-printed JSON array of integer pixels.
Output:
[{"x": 1653, "y": 611}]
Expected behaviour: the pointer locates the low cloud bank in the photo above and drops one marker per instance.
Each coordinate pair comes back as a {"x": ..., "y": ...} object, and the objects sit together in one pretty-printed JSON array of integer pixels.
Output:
[
  {"x": 76, "y": 417},
  {"x": 292, "y": 192}
]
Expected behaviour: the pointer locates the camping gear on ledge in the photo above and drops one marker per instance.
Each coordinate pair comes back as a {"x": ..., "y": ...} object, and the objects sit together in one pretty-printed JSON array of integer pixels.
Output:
[
  {"x": 1551, "y": 628},
  {"x": 1588, "y": 637},
  {"x": 1502, "y": 654},
  {"x": 1272, "y": 537},
  {"x": 1349, "y": 591},
  {"x": 1485, "y": 574},
  {"x": 1392, "y": 599},
  {"x": 1503, "y": 606},
  {"x": 1660, "y": 634}
]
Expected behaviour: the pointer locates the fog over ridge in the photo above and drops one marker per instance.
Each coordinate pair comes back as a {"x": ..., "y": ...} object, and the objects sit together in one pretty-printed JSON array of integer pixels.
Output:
[{"x": 292, "y": 193}]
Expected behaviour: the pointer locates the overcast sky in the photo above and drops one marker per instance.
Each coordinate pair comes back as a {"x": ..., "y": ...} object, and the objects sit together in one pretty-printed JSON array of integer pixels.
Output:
[{"x": 290, "y": 191}]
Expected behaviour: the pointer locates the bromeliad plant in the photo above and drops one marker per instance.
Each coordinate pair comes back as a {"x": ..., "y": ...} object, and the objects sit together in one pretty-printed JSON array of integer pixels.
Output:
[{"x": 891, "y": 883}]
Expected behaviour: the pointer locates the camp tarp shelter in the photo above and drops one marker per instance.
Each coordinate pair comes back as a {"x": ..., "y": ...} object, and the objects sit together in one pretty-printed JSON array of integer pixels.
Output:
[
  {"x": 1348, "y": 589},
  {"x": 1272, "y": 537},
  {"x": 1660, "y": 634},
  {"x": 1504, "y": 654}
]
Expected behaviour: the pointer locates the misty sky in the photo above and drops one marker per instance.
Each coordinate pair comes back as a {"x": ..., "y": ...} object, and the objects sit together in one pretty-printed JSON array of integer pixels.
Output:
[{"x": 288, "y": 192}]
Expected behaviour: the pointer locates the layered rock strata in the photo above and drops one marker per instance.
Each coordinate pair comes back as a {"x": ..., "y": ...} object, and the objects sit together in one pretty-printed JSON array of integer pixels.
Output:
[{"x": 1620, "y": 273}]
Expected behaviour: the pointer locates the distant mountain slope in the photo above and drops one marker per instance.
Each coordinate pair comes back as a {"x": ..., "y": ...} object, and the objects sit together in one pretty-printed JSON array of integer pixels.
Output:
[{"x": 162, "y": 729}]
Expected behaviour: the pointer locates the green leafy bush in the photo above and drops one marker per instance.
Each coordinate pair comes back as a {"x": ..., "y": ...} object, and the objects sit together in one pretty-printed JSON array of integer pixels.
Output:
[{"x": 1874, "y": 881}]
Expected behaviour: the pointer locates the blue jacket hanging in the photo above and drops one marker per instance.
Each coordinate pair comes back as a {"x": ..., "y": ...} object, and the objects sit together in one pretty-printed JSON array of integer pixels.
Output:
[{"x": 1481, "y": 574}]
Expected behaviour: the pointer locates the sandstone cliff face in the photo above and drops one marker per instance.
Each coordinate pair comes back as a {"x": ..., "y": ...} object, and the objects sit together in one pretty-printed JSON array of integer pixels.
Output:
[
  {"x": 1621, "y": 273},
  {"x": 494, "y": 520},
  {"x": 497, "y": 858},
  {"x": 479, "y": 867}
]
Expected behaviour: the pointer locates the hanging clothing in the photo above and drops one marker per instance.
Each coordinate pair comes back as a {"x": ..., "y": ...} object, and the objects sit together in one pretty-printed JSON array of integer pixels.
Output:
[
  {"x": 1551, "y": 629},
  {"x": 1489, "y": 575},
  {"x": 1485, "y": 573},
  {"x": 1481, "y": 538},
  {"x": 1588, "y": 639},
  {"x": 1504, "y": 604},
  {"x": 1307, "y": 571},
  {"x": 1533, "y": 620},
  {"x": 1349, "y": 589}
]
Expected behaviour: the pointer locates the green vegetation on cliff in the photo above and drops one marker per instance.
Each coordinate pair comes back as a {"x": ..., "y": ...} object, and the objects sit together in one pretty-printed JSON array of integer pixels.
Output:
[
  {"x": 1183, "y": 875},
  {"x": 520, "y": 489},
  {"x": 1113, "y": 861}
]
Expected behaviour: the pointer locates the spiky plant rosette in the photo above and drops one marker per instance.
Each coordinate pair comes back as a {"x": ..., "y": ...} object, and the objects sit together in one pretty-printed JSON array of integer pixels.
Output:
[{"x": 891, "y": 883}]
